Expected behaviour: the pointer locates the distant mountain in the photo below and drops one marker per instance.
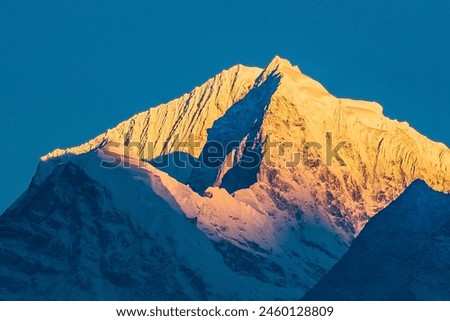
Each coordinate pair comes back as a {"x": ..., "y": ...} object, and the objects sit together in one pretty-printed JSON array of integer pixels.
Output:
[
  {"x": 403, "y": 253},
  {"x": 260, "y": 174}
]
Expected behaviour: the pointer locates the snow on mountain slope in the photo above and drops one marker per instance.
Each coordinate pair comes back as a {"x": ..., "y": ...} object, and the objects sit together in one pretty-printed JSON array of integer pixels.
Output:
[
  {"x": 189, "y": 115},
  {"x": 282, "y": 105},
  {"x": 286, "y": 219},
  {"x": 401, "y": 254},
  {"x": 381, "y": 156},
  {"x": 93, "y": 233}
]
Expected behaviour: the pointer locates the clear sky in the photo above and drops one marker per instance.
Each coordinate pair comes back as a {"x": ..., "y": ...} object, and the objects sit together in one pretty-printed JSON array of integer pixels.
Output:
[{"x": 71, "y": 69}]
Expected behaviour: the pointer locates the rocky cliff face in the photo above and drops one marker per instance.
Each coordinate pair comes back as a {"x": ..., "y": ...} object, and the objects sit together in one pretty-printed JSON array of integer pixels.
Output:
[{"x": 300, "y": 175}]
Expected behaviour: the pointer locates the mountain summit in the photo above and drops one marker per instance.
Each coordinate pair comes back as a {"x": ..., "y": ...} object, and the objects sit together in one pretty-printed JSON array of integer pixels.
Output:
[{"x": 260, "y": 174}]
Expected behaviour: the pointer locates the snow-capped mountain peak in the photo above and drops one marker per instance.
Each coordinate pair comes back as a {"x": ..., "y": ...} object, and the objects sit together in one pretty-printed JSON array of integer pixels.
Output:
[
  {"x": 278, "y": 64},
  {"x": 296, "y": 175},
  {"x": 282, "y": 68}
]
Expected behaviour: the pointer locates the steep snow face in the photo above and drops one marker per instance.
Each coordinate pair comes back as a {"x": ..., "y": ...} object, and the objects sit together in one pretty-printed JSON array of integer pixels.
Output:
[
  {"x": 381, "y": 156},
  {"x": 401, "y": 254},
  {"x": 93, "y": 233},
  {"x": 293, "y": 214},
  {"x": 188, "y": 116},
  {"x": 282, "y": 105},
  {"x": 240, "y": 125}
]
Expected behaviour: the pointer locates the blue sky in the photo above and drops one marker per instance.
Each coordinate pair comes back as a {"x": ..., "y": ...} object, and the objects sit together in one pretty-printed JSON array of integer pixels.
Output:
[{"x": 71, "y": 69}]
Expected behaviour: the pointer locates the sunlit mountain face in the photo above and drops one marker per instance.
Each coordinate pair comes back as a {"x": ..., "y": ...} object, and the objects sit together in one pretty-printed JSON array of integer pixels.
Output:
[{"x": 250, "y": 187}]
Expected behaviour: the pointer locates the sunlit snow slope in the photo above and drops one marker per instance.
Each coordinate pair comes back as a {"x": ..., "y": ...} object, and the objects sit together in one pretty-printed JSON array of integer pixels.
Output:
[{"x": 273, "y": 229}]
